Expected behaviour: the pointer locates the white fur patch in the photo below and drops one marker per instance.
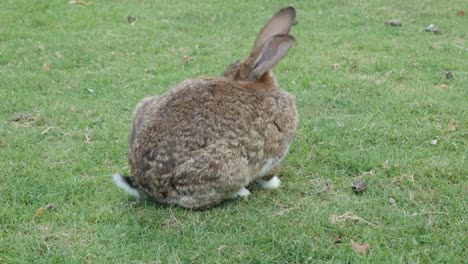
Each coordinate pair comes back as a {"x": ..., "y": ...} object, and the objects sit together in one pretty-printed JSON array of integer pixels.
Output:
[
  {"x": 274, "y": 78},
  {"x": 273, "y": 183},
  {"x": 268, "y": 166},
  {"x": 119, "y": 181},
  {"x": 243, "y": 192}
]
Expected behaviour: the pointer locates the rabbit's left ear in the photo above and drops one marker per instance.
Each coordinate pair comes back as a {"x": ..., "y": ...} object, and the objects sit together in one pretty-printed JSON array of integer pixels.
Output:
[
  {"x": 270, "y": 54},
  {"x": 280, "y": 23}
]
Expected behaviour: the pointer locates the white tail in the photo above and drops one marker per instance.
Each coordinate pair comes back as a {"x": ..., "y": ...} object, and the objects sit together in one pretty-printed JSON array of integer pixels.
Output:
[{"x": 124, "y": 183}]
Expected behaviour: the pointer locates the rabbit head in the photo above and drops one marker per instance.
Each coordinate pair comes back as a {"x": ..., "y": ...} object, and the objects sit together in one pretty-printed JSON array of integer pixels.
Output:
[{"x": 271, "y": 45}]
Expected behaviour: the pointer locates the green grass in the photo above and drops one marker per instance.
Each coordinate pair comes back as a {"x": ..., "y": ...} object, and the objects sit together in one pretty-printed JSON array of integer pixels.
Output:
[{"x": 373, "y": 118}]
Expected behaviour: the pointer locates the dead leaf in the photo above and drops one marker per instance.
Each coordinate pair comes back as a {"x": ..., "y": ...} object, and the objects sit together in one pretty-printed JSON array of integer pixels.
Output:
[
  {"x": 188, "y": 58},
  {"x": 461, "y": 13},
  {"x": 433, "y": 29},
  {"x": 335, "y": 66},
  {"x": 442, "y": 86},
  {"x": 435, "y": 46},
  {"x": 359, "y": 248},
  {"x": 46, "y": 67},
  {"x": 393, "y": 22},
  {"x": 338, "y": 239},
  {"x": 448, "y": 74},
  {"x": 58, "y": 54},
  {"x": 358, "y": 186},
  {"x": 451, "y": 126},
  {"x": 39, "y": 212},
  {"x": 434, "y": 142},
  {"x": 132, "y": 20}
]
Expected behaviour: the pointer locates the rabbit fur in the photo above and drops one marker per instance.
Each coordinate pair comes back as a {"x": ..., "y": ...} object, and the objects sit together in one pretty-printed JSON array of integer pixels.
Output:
[{"x": 206, "y": 139}]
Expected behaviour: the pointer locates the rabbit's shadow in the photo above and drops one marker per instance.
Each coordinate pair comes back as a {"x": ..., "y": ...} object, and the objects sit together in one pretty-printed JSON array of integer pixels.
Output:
[{"x": 143, "y": 203}]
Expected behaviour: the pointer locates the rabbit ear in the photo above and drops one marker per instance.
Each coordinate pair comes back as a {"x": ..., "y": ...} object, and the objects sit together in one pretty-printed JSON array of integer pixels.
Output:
[
  {"x": 270, "y": 54},
  {"x": 280, "y": 23}
]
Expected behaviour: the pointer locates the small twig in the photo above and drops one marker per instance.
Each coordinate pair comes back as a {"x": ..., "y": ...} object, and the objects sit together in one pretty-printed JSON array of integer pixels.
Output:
[
  {"x": 173, "y": 217},
  {"x": 220, "y": 248},
  {"x": 426, "y": 213},
  {"x": 350, "y": 216},
  {"x": 412, "y": 178},
  {"x": 282, "y": 212},
  {"x": 88, "y": 140},
  {"x": 45, "y": 131},
  {"x": 279, "y": 213},
  {"x": 87, "y": 135},
  {"x": 48, "y": 248},
  {"x": 102, "y": 69},
  {"x": 460, "y": 47},
  {"x": 81, "y": 2}
]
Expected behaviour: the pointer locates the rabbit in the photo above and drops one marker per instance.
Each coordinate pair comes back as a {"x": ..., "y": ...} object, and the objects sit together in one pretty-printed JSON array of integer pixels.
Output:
[{"x": 206, "y": 139}]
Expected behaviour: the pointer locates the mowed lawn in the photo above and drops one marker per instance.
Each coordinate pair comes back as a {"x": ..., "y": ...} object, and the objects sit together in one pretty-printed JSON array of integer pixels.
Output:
[{"x": 375, "y": 102}]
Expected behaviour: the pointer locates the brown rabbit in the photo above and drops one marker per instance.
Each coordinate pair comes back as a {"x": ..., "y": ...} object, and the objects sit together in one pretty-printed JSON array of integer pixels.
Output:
[{"x": 206, "y": 139}]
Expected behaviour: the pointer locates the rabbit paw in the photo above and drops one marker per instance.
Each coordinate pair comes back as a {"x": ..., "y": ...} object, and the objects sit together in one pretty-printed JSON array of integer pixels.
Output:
[
  {"x": 243, "y": 192},
  {"x": 273, "y": 183}
]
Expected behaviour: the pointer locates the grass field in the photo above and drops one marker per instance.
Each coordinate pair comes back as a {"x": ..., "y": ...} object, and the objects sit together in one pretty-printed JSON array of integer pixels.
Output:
[{"x": 374, "y": 104}]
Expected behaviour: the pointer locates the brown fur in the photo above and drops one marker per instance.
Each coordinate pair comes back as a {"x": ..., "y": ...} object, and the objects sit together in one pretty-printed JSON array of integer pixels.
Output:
[{"x": 203, "y": 140}]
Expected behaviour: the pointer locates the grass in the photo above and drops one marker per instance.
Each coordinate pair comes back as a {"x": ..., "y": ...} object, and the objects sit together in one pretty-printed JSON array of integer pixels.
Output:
[{"x": 63, "y": 132}]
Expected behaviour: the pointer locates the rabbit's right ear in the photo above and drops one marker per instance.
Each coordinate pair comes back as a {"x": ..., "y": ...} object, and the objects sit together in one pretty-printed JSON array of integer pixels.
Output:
[
  {"x": 270, "y": 54},
  {"x": 279, "y": 24}
]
